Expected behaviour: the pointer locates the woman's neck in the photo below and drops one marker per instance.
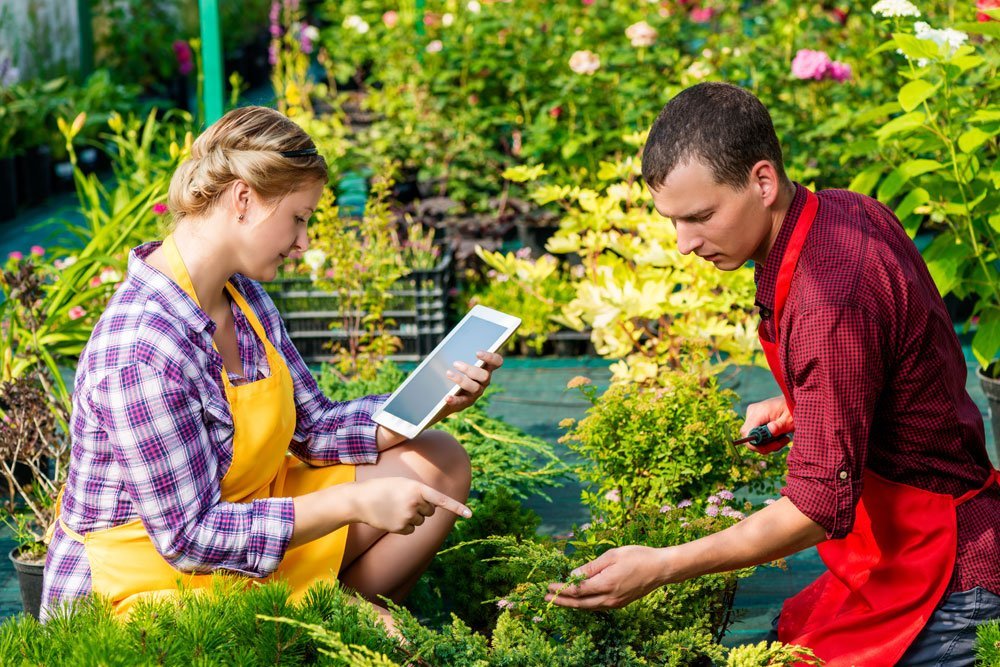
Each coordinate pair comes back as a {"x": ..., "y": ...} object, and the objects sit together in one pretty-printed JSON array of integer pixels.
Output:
[{"x": 208, "y": 263}]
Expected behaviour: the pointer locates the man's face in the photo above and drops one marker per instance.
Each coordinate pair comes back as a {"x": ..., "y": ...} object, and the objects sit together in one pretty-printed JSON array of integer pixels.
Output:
[{"x": 722, "y": 225}]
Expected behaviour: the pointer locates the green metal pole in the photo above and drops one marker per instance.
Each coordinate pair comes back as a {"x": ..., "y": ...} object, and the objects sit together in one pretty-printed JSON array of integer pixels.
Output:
[
  {"x": 211, "y": 58},
  {"x": 420, "y": 17},
  {"x": 86, "y": 30}
]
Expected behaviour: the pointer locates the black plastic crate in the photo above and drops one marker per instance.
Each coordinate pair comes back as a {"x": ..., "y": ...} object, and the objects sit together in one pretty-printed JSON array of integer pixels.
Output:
[{"x": 417, "y": 305}]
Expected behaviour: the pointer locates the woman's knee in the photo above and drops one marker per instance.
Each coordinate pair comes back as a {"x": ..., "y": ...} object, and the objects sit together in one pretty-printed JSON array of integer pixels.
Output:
[{"x": 450, "y": 461}]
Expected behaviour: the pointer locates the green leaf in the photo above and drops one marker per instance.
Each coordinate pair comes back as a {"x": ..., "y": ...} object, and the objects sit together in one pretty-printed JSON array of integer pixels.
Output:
[
  {"x": 916, "y": 49},
  {"x": 944, "y": 258},
  {"x": 995, "y": 222},
  {"x": 905, "y": 123},
  {"x": 898, "y": 177},
  {"x": 914, "y": 93},
  {"x": 916, "y": 197},
  {"x": 986, "y": 342},
  {"x": 866, "y": 180},
  {"x": 965, "y": 63},
  {"x": 972, "y": 139}
]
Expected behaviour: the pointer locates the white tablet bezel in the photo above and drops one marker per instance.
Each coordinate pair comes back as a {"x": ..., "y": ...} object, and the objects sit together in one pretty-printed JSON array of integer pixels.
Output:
[{"x": 410, "y": 430}]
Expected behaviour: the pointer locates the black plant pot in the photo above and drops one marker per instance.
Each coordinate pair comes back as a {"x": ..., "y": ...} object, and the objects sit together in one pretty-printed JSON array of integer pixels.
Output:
[
  {"x": 8, "y": 189},
  {"x": 29, "y": 578},
  {"x": 34, "y": 175},
  {"x": 991, "y": 387}
]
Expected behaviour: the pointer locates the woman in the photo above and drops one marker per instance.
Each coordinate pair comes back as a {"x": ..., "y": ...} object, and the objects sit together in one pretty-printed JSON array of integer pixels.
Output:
[{"x": 201, "y": 442}]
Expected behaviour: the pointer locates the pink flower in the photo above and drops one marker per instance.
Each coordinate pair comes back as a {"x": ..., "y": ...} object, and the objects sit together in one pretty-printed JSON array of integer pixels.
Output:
[
  {"x": 839, "y": 15},
  {"x": 641, "y": 34},
  {"x": 16, "y": 256},
  {"x": 986, "y": 4},
  {"x": 584, "y": 62},
  {"x": 390, "y": 18},
  {"x": 666, "y": 508},
  {"x": 713, "y": 500},
  {"x": 614, "y": 495},
  {"x": 37, "y": 250},
  {"x": 76, "y": 312},
  {"x": 712, "y": 510},
  {"x": 809, "y": 64},
  {"x": 435, "y": 46},
  {"x": 726, "y": 494},
  {"x": 185, "y": 60},
  {"x": 555, "y": 112},
  {"x": 702, "y": 14},
  {"x": 95, "y": 281},
  {"x": 505, "y": 604},
  {"x": 839, "y": 72},
  {"x": 159, "y": 208},
  {"x": 523, "y": 253},
  {"x": 684, "y": 503},
  {"x": 587, "y": 3}
]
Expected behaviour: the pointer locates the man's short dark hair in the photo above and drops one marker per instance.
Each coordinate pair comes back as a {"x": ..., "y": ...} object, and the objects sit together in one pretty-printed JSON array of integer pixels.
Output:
[{"x": 723, "y": 126}]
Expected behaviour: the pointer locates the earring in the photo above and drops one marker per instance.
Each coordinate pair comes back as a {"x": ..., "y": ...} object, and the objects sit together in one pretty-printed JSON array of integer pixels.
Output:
[{"x": 241, "y": 217}]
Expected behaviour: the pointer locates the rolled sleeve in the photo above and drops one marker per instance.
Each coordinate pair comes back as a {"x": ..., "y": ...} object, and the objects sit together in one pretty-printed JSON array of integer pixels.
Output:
[
  {"x": 835, "y": 353},
  {"x": 157, "y": 433}
]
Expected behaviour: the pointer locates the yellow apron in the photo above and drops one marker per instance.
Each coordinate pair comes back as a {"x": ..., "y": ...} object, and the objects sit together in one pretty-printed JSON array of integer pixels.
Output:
[{"x": 124, "y": 564}]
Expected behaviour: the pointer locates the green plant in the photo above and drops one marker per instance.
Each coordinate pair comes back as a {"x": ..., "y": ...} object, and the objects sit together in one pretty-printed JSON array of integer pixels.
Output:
[
  {"x": 988, "y": 644},
  {"x": 774, "y": 654},
  {"x": 654, "y": 446},
  {"x": 648, "y": 306},
  {"x": 938, "y": 161},
  {"x": 536, "y": 289}
]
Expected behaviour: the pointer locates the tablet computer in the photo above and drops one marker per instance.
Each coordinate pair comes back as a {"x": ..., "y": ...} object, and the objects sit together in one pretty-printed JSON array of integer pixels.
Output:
[{"x": 423, "y": 393}]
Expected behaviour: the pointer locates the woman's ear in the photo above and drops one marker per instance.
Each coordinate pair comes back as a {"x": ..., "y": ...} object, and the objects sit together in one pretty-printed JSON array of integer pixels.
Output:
[{"x": 241, "y": 195}]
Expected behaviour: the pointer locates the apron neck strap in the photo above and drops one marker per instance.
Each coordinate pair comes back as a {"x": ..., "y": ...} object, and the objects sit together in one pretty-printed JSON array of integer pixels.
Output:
[
  {"x": 183, "y": 280},
  {"x": 791, "y": 257}
]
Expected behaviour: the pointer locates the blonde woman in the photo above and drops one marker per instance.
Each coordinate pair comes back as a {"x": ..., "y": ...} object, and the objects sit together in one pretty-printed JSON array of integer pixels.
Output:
[{"x": 200, "y": 441}]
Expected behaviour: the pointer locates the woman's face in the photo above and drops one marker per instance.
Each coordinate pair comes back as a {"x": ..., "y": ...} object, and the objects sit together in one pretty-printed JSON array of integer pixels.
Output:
[{"x": 280, "y": 233}]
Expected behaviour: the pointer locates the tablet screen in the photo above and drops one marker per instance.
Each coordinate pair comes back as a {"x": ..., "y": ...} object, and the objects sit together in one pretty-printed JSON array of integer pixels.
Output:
[{"x": 429, "y": 385}]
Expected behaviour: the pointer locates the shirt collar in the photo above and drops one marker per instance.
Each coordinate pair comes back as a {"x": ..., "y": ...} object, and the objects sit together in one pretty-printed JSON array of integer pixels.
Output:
[
  {"x": 765, "y": 274},
  {"x": 164, "y": 290}
]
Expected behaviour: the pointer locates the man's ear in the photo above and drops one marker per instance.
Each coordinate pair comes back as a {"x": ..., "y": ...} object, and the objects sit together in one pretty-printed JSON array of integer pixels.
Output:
[{"x": 764, "y": 175}]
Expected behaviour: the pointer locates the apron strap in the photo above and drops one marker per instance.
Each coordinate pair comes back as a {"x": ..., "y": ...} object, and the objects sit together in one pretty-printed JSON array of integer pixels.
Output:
[{"x": 994, "y": 478}]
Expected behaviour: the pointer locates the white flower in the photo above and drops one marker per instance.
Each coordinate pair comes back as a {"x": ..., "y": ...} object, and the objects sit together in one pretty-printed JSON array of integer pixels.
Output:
[
  {"x": 357, "y": 23},
  {"x": 447, "y": 20},
  {"x": 698, "y": 70},
  {"x": 474, "y": 7},
  {"x": 110, "y": 275},
  {"x": 947, "y": 39},
  {"x": 311, "y": 33},
  {"x": 641, "y": 34},
  {"x": 314, "y": 259},
  {"x": 584, "y": 62},
  {"x": 894, "y": 8},
  {"x": 435, "y": 46}
]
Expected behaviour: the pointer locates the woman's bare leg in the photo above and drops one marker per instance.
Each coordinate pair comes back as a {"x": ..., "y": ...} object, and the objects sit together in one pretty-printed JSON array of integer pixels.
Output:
[{"x": 377, "y": 563}]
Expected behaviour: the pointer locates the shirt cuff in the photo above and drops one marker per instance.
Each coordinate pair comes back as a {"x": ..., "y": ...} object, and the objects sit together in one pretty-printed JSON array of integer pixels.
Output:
[
  {"x": 354, "y": 440},
  {"x": 830, "y": 503},
  {"x": 272, "y": 521}
]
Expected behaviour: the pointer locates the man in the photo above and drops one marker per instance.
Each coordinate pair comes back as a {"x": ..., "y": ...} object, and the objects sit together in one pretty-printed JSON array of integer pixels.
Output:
[{"x": 889, "y": 473}]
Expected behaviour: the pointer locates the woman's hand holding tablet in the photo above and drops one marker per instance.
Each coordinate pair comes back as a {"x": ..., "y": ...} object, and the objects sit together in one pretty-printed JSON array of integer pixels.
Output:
[{"x": 453, "y": 376}]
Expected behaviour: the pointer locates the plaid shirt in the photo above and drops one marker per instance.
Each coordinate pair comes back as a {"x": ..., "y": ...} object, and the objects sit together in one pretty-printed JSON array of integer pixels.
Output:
[
  {"x": 152, "y": 434},
  {"x": 878, "y": 376}
]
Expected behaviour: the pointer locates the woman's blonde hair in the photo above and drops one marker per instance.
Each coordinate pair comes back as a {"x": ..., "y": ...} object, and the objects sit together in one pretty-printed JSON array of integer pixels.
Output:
[{"x": 246, "y": 144}]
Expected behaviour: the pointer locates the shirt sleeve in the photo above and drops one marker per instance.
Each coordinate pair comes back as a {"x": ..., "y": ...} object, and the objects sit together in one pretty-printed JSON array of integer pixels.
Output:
[
  {"x": 328, "y": 432},
  {"x": 835, "y": 359},
  {"x": 156, "y": 429}
]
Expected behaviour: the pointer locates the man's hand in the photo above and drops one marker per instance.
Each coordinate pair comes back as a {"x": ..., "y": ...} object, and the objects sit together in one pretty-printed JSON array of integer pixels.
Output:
[
  {"x": 773, "y": 412},
  {"x": 615, "y": 579}
]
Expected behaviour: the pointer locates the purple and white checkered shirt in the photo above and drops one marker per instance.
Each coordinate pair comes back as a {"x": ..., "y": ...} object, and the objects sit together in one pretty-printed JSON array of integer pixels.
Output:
[{"x": 152, "y": 434}]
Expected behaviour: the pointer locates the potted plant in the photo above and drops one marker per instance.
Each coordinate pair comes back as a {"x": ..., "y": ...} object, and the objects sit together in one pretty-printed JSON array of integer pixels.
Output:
[
  {"x": 34, "y": 453},
  {"x": 934, "y": 170}
]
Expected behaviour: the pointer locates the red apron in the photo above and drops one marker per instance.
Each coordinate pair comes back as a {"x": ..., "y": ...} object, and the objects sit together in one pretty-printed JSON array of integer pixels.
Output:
[{"x": 888, "y": 575}]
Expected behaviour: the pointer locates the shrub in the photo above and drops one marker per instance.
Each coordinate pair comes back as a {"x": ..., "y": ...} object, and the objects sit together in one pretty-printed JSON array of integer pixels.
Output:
[
  {"x": 988, "y": 644},
  {"x": 653, "y": 446}
]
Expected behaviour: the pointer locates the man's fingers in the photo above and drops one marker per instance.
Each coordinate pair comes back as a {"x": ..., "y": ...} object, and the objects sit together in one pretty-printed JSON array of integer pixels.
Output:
[
  {"x": 435, "y": 497},
  {"x": 589, "y": 602}
]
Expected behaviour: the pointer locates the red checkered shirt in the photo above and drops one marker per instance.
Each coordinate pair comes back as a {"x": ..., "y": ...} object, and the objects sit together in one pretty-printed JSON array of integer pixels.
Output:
[{"x": 878, "y": 376}]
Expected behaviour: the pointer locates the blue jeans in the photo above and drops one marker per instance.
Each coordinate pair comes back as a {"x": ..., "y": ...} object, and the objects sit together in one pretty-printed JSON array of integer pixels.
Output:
[{"x": 949, "y": 638}]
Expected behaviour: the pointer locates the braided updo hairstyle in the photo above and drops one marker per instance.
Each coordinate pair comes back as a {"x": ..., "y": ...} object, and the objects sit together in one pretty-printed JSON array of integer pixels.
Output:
[{"x": 245, "y": 144}]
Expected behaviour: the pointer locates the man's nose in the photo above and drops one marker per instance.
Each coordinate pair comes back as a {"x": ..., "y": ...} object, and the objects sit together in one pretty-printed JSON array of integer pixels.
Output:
[{"x": 687, "y": 241}]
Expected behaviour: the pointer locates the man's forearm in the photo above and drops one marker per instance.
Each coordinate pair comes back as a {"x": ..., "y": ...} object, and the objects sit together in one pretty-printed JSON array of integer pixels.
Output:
[{"x": 774, "y": 532}]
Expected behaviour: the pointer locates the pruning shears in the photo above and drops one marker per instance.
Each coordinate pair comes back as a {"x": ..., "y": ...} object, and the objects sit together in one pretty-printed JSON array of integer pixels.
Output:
[{"x": 765, "y": 441}]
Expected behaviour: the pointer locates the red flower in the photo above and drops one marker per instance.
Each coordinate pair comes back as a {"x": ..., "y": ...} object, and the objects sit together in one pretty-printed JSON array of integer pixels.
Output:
[
  {"x": 986, "y": 4},
  {"x": 555, "y": 112}
]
